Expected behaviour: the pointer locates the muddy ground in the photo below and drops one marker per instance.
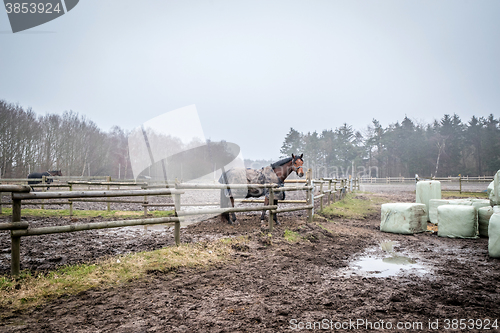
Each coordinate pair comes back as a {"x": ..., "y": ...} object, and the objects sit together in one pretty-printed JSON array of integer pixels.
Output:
[{"x": 272, "y": 285}]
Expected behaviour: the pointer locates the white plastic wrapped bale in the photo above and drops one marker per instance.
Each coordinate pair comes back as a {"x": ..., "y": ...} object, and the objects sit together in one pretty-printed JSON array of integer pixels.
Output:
[
  {"x": 494, "y": 190},
  {"x": 457, "y": 221},
  {"x": 403, "y": 218},
  {"x": 427, "y": 190},
  {"x": 435, "y": 203},
  {"x": 479, "y": 203},
  {"x": 466, "y": 202},
  {"x": 483, "y": 217},
  {"x": 494, "y": 233},
  {"x": 433, "y": 206},
  {"x": 490, "y": 188}
]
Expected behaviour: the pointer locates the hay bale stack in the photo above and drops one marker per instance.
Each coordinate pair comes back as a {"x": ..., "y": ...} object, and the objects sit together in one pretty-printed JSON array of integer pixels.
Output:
[
  {"x": 427, "y": 190},
  {"x": 483, "y": 218},
  {"x": 404, "y": 218},
  {"x": 457, "y": 221},
  {"x": 494, "y": 234}
]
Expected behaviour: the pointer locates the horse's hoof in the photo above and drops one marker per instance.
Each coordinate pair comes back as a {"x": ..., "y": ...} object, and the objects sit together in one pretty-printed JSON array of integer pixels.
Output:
[{"x": 277, "y": 222}]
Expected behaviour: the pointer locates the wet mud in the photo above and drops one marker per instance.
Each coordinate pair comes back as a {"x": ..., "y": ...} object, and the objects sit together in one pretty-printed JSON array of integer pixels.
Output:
[{"x": 271, "y": 284}]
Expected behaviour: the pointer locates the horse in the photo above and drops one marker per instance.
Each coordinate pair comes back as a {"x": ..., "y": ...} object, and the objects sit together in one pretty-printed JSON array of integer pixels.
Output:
[
  {"x": 276, "y": 173},
  {"x": 39, "y": 175}
]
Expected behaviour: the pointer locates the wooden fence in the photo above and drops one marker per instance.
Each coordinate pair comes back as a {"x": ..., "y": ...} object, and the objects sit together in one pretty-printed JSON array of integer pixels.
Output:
[
  {"x": 20, "y": 229},
  {"x": 70, "y": 183},
  {"x": 459, "y": 178},
  {"x": 326, "y": 188}
]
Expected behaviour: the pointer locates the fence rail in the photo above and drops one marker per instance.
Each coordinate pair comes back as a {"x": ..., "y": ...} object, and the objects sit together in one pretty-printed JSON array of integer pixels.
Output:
[
  {"x": 19, "y": 193},
  {"x": 374, "y": 180}
]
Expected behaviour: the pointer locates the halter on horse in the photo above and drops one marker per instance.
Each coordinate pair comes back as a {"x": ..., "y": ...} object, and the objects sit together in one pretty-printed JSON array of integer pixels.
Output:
[{"x": 276, "y": 173}]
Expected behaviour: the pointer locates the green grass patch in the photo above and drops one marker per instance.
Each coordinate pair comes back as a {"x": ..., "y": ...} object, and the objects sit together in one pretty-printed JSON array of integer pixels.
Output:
[
  {"x": 354, "y": 206},
  {"x": 322, "y": 227},
  {"x": 456, "y": 194},
  {"x": 239, "y": 239},
  {"x": 292, "y": 236},
  {"x": 113, "y": 214},
  {"x": 27, "y": 290}
]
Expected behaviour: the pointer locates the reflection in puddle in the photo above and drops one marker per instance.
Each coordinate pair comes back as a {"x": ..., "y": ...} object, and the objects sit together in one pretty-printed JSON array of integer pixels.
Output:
[
  {"x": 399, "y": 260},
  {"x": 384, "y": 263}
]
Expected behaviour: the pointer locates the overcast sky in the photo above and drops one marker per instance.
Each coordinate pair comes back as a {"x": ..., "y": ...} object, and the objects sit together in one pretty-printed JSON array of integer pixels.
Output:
[{"x": 254, "y": 69}]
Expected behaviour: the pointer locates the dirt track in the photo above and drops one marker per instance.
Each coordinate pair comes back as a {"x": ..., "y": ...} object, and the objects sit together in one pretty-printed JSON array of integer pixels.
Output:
[{"x": 270, "y": 286}]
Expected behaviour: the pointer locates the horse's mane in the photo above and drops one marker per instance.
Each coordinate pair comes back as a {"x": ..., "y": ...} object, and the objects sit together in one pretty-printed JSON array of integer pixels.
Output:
[{"x": 281, "y": 162}]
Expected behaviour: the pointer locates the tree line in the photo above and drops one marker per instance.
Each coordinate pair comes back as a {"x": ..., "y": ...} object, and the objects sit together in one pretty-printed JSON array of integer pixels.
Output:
[
  {"x": 77, "y": 146},
  {"x": 70, "y": 142},
  {"x": 447, "y": 147}
]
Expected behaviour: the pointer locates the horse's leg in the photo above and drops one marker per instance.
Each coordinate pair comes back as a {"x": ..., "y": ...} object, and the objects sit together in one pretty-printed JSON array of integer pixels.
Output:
[
  {"x": 233, "y": 215},
  {"x": 224, "y": 203}
]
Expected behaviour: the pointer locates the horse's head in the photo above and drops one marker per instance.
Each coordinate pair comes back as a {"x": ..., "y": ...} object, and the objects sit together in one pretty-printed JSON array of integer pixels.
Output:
[
  {"x": 297, "y": 164},
  {"x": 55, "y": 173}
]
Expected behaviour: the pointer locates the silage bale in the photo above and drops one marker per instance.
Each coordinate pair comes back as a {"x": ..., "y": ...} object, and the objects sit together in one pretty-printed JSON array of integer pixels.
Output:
[
  {"x": 435, "y": 203},
  {"x": 404, "y": 218},
  {"x": 489, "y": 189},
  {"x": 483, "y": 217},
  {"x": 427, "y": 190},
  {"x": 494, "y": 233},
  {"x": 433, "y": 206},
  {"x": 479, "y": 203},
  {"x": 457, "y": 221},
  {"x": 494, "y": 190},
  {"x": 466, "y": 202}
]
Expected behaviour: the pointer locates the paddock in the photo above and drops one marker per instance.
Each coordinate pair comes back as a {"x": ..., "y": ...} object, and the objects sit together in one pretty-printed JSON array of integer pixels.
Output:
[
  {"x": 268, "y": 280},
  {"x": 22, "y": 193}
]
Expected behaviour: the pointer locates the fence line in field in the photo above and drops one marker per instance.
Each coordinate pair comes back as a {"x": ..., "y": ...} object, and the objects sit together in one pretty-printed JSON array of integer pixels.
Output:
[
  {"x": 388, "y": 180},
  {"x": 19, "y": 193},
  {"x": 145, "y": 204},
  {"x": 450, "y": 179},
  {"x": 19, "y": 229}
]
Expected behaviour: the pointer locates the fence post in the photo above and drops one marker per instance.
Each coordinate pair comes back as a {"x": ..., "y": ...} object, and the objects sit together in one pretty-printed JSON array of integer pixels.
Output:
[
  {"x": 310, "y": 196},
  {"x": 44, "y": 180},
  {"x": 177, "y": 226},
  {"x": 335, "y": 191},
  {"x": 15, "y": 263},
  {"x": 108, "y": 178},
  {"x": 145, "y": 207},
  {"x": 271, "y": 215},
  {"x": 70, "y": 201},
  {"x": 329, "y": 191},
  {"x": 321, "y": 193},
  {"x": 460, "y": 182}
]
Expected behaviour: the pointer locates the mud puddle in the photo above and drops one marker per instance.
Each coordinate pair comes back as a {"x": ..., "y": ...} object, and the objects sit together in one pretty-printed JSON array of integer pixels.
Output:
[{"x": 385, "y": 261}]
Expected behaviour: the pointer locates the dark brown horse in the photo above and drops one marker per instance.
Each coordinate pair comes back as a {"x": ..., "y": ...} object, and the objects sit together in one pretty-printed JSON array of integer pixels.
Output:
[
  {"x": 275, "y": 173},
  {"x": 39, "y": 175}
]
